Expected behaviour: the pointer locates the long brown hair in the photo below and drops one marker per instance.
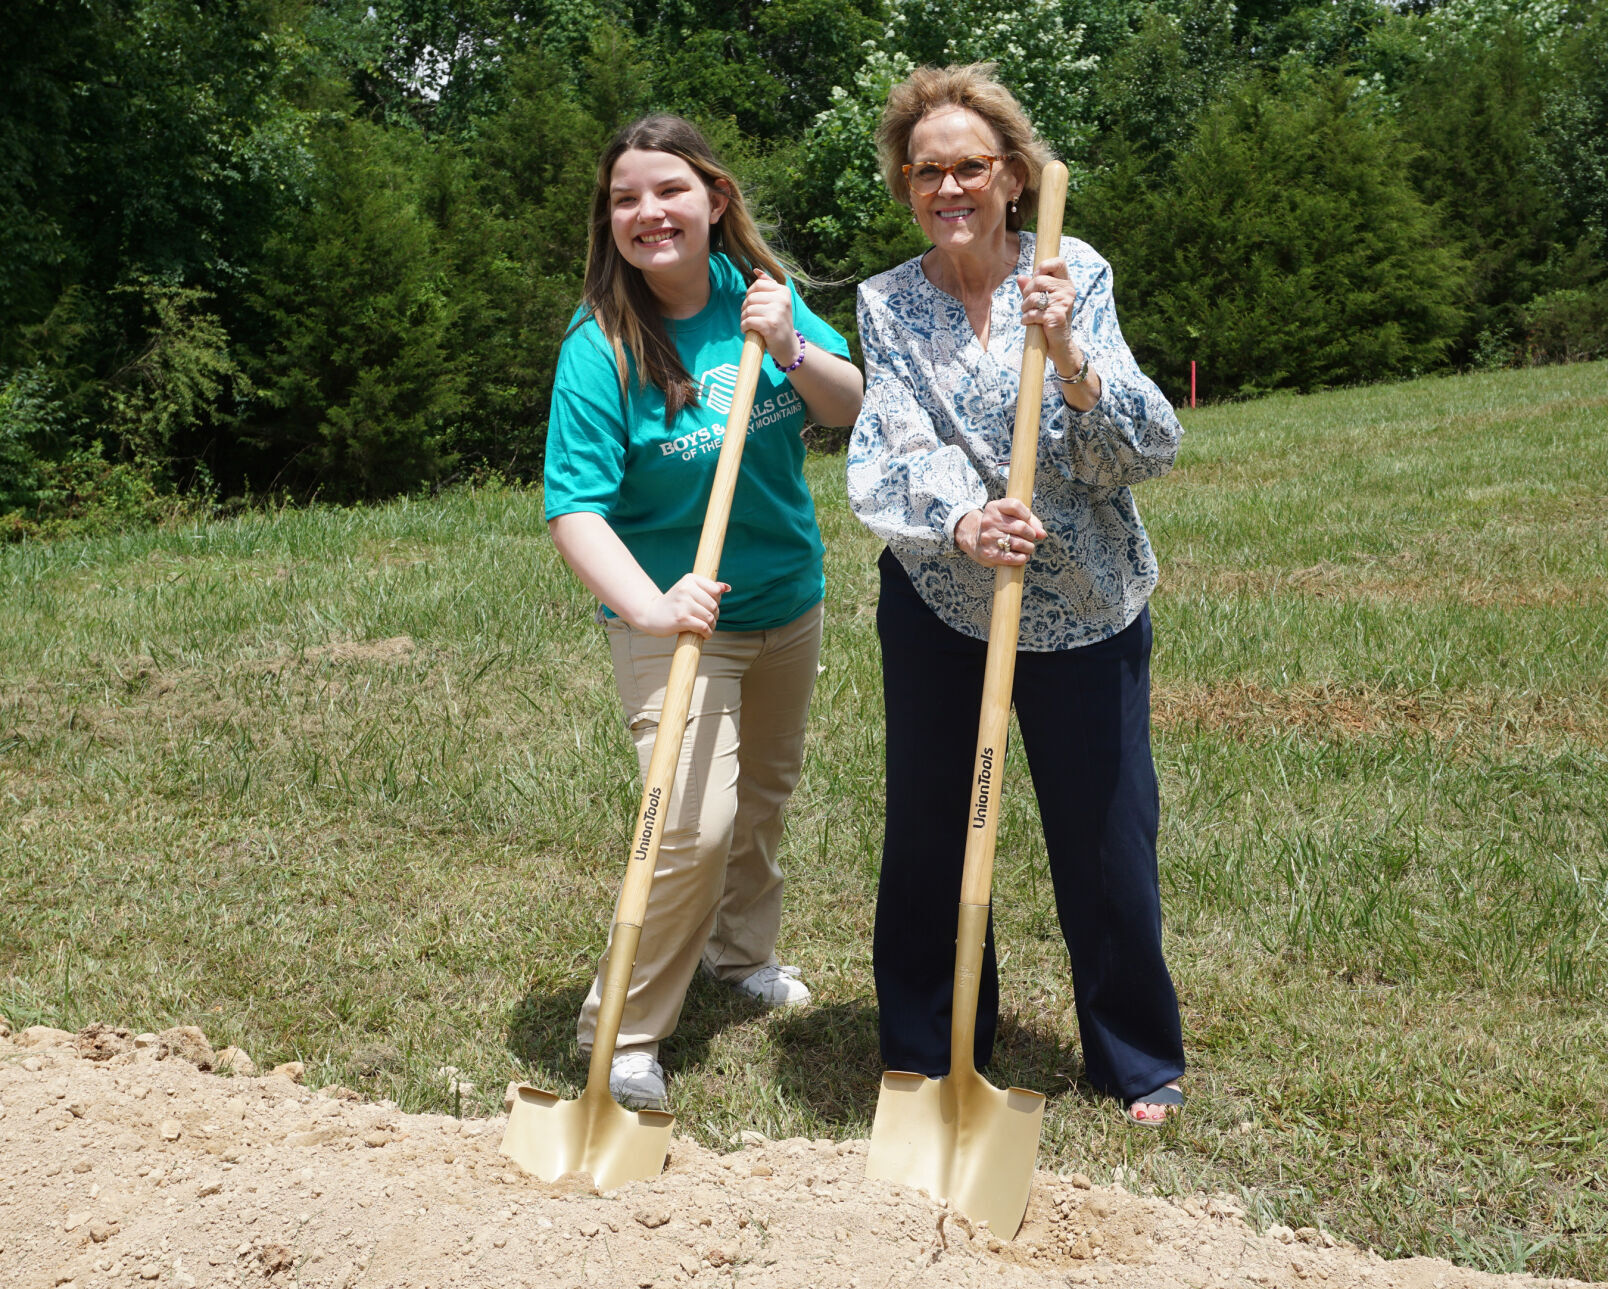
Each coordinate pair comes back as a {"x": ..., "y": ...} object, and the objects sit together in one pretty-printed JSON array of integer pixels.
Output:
[{"x": 617, "y": 294}]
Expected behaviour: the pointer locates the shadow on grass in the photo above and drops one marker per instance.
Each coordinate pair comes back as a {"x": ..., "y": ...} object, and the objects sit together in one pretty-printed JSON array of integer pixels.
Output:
[
  {"x": 541, "y": 1029},
  {"x": 541, "y": 1036},
  {"x": 827, "y": 1057},
  {"x": 1028, "y": 1056},
  {"x": 829, "y": 1060}
]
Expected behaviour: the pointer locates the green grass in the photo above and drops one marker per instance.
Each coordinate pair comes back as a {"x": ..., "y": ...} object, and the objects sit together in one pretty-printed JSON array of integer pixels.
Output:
[{"x": 351, "y": 786}]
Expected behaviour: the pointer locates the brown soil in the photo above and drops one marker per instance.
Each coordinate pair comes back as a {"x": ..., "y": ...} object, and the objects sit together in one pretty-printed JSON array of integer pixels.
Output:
[{"x": 125, "y": 1165}]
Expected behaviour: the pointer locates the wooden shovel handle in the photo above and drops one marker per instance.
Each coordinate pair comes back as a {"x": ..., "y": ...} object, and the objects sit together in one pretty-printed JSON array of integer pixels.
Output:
[
  {"x": 660, "y": 780},
  {"x": 1004, "y": 624},
  {"x": 988, "y": 772}
]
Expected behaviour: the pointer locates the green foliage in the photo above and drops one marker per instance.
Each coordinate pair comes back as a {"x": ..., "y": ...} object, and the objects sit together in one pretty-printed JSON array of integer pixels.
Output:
[
  {"x": 421, "y": 64},
  {"x": 513, "y": 225},
  {"x": 332, "y": 245},
  {"x": 615, "y": 80},
  {"x": 145, "y": 147},
  {"x": 838, "y": 195},
  {"x": 1326, "y": 35},
  {"x": 1153, "y": 88},
  {"x": 53, "y": 486},
  {"x": 1575, "y": 118},
  {"x": 357, "y": 382},
  {"x": 183, "y": 370},
  {"x": 1451, "y": 24},
  {"x": 1473, "y": 110},
  {"x": 1288, "y": 249},
  {"x": 82, "y": 494},
  {"x": 769, "y": 65},
  {"x": 32, "y": 423},
  {"x": 1567, "y": 326},
  {"x": 144, "y": 136}
]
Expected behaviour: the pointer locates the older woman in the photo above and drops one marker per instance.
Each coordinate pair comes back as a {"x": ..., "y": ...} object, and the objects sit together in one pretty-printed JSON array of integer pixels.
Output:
[{"x": 943, "y": 336}]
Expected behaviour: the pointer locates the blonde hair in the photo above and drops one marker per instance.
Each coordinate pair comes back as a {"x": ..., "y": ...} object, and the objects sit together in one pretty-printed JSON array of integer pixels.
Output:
[
  {"x": 973, "y": 87},
  {"x": 617, "y": 294}
]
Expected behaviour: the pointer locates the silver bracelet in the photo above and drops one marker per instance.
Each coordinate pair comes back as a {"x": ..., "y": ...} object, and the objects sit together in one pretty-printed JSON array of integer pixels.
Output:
[{"x": 1083, "y": 373}]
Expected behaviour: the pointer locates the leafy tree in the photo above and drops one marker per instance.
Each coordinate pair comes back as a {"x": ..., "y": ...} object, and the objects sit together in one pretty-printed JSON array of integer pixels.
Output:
[
  {"x": 1151, "y": 90},
  {"x": 144, "y": 136},
  {"x": 144, "y": 151},
  {"x": 1288, "y": 249},
  {"x": 1332, "y": 34},
  {"x": 164, "y": 396},
  {"x": 515, "y": 230},
  {"x": 357, "y": 382},
  {"x": 435, "y": 65},
  {"x": 1473, "y": 108},
  {"x": 770, "y": 64},
  {"x": 1575, "y": 118}
]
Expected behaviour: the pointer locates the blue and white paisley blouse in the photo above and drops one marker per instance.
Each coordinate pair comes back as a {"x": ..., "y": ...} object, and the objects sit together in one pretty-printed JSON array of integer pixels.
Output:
[{"x": 933, "y": 442}]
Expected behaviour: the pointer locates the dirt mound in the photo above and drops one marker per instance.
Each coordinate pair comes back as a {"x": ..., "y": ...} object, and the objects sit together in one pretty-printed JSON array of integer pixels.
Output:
[{"x": 122, "y": 1163}]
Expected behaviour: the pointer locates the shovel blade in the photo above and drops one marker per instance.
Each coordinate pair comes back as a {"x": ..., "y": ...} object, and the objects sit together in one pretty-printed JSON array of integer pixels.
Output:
[
  {"x": 960, "y": 1139},
  {"x": 549, "y": 1136}
]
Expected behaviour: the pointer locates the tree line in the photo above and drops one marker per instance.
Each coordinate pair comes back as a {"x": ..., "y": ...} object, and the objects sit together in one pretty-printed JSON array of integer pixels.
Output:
[{"x": 329, "y": 248}]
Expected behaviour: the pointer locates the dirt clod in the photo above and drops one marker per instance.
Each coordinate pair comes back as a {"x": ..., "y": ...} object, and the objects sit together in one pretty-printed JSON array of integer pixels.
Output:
[
  {"x": 188, "y": 1043},
  {"x": 235, "y": 1062},
  {"x": 275, "y": 1258},
  {"x": 101, "y": 1042}
]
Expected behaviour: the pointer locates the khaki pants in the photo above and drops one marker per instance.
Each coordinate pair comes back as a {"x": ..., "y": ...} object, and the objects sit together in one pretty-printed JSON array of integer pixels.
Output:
[{"x": 717, "y": 889}]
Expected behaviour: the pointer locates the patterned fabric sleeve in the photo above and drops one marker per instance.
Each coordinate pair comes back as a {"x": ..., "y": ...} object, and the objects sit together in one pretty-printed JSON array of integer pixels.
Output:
[
  {"x": 1131, "y": 434},
  {"x": 905, "y": 484}
]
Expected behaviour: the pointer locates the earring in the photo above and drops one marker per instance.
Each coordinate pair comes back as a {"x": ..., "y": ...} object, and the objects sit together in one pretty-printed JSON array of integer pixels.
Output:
[{"x": 1013, "y": 206}]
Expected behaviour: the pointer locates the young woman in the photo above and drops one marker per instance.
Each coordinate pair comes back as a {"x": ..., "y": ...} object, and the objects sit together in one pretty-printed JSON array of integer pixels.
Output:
[{"x": 676, "y": 272}]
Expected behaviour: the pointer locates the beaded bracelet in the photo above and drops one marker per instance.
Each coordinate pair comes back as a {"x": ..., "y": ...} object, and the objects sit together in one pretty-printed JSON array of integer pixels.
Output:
[{"x": 799, "y": 361}]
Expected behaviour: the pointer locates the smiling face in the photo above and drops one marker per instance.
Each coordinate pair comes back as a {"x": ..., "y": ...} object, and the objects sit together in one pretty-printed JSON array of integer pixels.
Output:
[
  {"x": 660, "y": 212},
  {"x": 955, "y": 220}
]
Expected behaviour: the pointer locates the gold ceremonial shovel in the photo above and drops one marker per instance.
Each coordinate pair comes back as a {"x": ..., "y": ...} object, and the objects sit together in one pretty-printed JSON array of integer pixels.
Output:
[
  {"x": 960, "y": 1138},
  {"x": 594, "y": 1134}
]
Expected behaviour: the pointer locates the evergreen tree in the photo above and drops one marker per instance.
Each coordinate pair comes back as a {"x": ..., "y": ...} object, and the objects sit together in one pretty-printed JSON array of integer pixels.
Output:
[
  {"x": 358, "y": 385},
  {"x": 1474, "y": 111},
  {"x": 1286, "y": 250}
]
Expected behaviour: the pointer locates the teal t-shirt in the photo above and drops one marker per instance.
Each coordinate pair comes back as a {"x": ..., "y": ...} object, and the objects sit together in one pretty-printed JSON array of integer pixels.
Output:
[{"x": 652, "y": 483}]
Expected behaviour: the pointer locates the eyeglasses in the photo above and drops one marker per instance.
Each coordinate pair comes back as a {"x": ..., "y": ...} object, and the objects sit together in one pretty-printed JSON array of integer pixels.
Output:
[{"x": 927, "y": 177}]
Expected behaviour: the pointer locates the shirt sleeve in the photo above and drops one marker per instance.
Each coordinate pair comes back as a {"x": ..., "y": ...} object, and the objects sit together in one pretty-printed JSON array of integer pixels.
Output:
[
  {"x": 586, "y": 433},
  {"x": 905, "y": 484},
  {"x": 1132, "y": 433},
  {"x": 815, "y": 330}
]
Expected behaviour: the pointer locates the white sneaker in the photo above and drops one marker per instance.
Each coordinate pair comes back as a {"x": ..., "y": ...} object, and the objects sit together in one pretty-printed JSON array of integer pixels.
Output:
[
  {"x": 774, "y": 986},
  {"x": 636, "y": 1081}
]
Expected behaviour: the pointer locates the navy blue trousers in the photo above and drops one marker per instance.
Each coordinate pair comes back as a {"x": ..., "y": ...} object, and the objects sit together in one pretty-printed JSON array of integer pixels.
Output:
[{"x": 1085, "y": 719}]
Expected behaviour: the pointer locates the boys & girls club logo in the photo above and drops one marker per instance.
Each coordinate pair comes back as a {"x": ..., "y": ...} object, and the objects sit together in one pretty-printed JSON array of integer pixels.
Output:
[{"x": 718, "y": 387}]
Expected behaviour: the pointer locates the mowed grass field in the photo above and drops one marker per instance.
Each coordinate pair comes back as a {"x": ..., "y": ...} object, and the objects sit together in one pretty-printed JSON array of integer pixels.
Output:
[{"x": 351, "y": 787}]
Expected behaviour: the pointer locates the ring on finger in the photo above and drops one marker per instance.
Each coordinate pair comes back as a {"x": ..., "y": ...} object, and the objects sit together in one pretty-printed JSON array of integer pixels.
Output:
[
  {"x": 1044, "y": 301},
  {"x": 1004, "y": 543}
]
